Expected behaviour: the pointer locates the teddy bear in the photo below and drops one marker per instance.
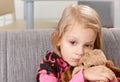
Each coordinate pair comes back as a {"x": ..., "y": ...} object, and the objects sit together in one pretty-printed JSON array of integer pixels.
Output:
[{"x": 95, "y": 57}]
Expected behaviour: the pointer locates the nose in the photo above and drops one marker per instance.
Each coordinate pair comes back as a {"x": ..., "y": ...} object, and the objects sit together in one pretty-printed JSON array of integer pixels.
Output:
[{"x": 80, "y": 51}]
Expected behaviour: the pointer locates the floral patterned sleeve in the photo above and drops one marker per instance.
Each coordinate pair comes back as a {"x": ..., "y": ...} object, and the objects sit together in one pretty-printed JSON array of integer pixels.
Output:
[{"x": 51, "y": 68}]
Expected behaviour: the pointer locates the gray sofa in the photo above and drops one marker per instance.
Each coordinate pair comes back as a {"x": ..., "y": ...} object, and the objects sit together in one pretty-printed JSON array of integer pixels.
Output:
[{"x": 21, "y": 52}]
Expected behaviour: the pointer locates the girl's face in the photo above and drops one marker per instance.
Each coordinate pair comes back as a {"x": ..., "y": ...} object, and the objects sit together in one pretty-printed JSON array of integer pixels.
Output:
[{"x": 76, "y": 41}]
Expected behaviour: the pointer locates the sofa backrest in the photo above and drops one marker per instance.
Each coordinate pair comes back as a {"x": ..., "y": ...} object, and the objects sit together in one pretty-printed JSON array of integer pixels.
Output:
[
  {"x": 25, "y": 49},
  {"x": 21, "y": 52},
  {"x": 111, "y": 44},
  {"x": 3, "y": 57}
]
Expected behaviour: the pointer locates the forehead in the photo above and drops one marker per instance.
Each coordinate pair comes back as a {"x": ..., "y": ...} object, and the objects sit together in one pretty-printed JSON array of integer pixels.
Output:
[
  {"x": 80, "y": 30},
  {"x": 79, "y": 26}
]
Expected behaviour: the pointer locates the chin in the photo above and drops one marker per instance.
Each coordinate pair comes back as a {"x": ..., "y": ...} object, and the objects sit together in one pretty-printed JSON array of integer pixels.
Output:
[{"x": 73, "y": 64}]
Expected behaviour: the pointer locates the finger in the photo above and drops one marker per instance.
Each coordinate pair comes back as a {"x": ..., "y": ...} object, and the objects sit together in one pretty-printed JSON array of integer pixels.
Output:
[
  {"x": 101, "y": 81},
  {"x": 110, "y": 75},
  {"x": 104, "y": 79},
  {"x": 98, "y": 81}
]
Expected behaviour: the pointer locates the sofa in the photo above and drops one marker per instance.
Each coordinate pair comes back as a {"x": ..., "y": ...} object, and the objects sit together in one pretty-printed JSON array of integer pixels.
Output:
[{"x": 22, "y": 50}]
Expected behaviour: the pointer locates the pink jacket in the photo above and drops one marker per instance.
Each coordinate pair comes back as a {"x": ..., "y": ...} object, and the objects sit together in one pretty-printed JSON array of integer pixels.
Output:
[
  {"x": 77, "y": 78},
  {"x": 50, "y": 78},
  {"x": 51, "y": 68}
]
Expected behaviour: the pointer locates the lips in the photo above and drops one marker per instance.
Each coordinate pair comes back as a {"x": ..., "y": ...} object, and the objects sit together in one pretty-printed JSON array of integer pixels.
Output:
[{"x": 74, "y": 60}]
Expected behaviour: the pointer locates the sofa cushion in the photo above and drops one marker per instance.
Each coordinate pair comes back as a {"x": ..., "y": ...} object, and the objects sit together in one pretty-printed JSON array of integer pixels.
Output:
[
  {"x": 111, "y": 44},
  {"x": 25, "y": 50},
  {"x": 3, "y": 57}
]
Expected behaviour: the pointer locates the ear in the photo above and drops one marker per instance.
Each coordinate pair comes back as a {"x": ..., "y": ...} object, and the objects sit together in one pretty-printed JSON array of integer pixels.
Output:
[{"x": 109, "y": 63}]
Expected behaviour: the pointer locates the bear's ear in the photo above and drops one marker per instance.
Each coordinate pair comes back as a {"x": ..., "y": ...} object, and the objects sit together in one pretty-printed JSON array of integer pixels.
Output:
[
  {"x": 109, "y": 63},
  {"x": 111, "y": 66}
]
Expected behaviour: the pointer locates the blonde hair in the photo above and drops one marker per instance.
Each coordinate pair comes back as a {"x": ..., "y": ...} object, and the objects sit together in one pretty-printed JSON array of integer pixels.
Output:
[{"x": 82, "y": 14}]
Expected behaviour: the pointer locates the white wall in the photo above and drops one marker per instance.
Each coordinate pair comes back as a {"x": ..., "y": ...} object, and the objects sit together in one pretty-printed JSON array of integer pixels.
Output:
[
  {"x": 117, "y": 13},
  {"x": 50, "y": 9},
  {"x": 53, "y": 9},
  {"x": 19, "y": 8},
  {"x": 43, "y": 9}
]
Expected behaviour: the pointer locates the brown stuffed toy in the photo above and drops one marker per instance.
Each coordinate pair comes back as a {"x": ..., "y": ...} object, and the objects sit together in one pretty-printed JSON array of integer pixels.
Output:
[
  {"x": 116, "y": 70},
  {"x": 94, "y": 58}
]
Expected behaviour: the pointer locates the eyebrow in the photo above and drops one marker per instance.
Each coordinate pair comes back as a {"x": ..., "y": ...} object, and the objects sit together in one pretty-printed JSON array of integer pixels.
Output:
[
  {"x": 89, "y": 42},
  {"x": 70, "y": 36},
  {"x": 76, "y": 39}
]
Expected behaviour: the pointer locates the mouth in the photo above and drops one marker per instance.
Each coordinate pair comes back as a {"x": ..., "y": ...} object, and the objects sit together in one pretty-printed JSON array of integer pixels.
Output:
[{"x": 74, "y": 60}]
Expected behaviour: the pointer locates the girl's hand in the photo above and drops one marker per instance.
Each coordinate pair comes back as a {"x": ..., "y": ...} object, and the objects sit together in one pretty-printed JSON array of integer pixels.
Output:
[{"x": 99, "y": 74}]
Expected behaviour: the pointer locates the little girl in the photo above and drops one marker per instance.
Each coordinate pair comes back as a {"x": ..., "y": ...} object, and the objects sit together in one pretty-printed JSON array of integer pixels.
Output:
[{"x": 77, "y": 33}]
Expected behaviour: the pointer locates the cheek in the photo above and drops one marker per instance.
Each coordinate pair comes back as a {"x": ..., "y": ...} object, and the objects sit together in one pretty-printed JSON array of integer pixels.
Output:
[
  {"x": 88, "y": 50},
  {"x": 63, "y": 46},
  {"x": 64, "y": 49}
]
